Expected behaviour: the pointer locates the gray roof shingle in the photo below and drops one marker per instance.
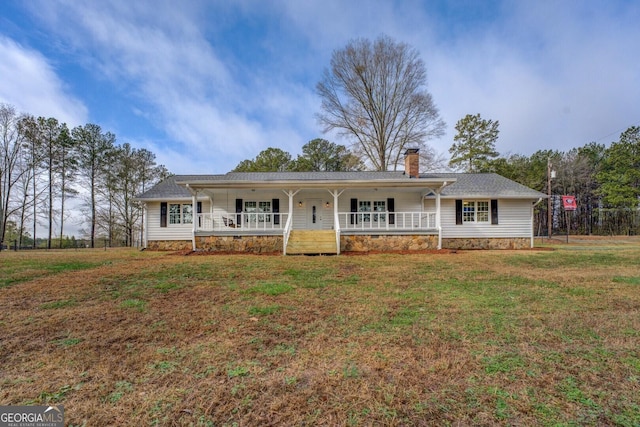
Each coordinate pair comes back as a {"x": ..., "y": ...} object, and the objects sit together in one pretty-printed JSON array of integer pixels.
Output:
[{"x": 489, "y": 185}]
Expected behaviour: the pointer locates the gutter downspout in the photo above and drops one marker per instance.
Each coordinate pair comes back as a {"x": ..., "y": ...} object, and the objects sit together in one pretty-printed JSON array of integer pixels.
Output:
[{"x": 532, "y": 209}]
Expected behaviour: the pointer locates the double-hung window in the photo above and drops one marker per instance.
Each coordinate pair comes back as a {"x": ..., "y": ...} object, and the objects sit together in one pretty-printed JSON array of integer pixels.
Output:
[
  {"x": 258, "y": 211},
  {"x": 364, "y": 206},
  {"x": 378, "y": 206},
  {"x": 475, "y": 211},
  {"x": 180, "y": 213}
]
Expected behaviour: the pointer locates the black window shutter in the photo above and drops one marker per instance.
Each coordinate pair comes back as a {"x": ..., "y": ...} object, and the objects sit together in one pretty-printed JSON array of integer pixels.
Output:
[
  {"x": 163, "y": 214},
  {"x": 275, "y": 208},
  {"x": 354, "y": 208},
  {"x": 458, "y": 212},
  {"x": 494, "y": 211},
  {"x": 199, "y": 207},
  {"x": 391, "y": 207},
  {"x": 239, "y": 211}
]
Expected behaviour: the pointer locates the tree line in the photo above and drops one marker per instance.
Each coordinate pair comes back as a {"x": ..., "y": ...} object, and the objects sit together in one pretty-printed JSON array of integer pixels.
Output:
[
  {"x": 375, "y": 95},
  {"x": 44, "y": 165}
]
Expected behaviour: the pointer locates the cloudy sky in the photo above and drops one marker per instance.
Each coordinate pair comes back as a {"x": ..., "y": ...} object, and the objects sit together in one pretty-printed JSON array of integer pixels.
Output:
[{"x": 206, "y": 84}]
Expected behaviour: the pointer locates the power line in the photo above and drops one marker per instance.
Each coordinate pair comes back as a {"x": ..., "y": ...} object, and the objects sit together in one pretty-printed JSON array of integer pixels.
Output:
[{"x": 617, "y": 131}]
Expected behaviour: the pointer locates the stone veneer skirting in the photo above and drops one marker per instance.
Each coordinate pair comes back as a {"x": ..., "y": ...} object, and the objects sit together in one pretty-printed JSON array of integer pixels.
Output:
[
  {"x": 247, "y": 244},
  {"x": 487, "y": 243},
  {"x": 382, "y": 243},
  {"x": 169, "y": 245},
  {"x": 349, "y": 243}
]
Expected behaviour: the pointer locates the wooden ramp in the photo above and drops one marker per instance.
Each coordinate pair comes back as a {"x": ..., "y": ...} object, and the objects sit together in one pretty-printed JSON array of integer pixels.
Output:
[{"x": 312, "y": 242}]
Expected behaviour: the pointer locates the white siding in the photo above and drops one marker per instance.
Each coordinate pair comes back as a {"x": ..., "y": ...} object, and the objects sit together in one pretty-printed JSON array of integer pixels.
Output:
[
  {"x": 325, "y": 215},
  {"x": 171, "y": 231},
  {"x": 514, "y": 220}
]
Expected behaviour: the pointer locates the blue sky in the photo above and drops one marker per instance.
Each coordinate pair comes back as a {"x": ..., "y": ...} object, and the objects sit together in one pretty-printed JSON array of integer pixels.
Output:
[{"x": 206, "y": 84}]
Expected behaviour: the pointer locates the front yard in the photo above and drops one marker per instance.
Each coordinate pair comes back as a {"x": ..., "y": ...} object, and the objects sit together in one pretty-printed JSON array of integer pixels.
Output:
[{"x": 122, "y": 337}]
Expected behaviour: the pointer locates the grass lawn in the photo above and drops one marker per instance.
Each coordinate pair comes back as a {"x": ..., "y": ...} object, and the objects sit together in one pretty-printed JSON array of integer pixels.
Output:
[{"x": 121, "y": 337}]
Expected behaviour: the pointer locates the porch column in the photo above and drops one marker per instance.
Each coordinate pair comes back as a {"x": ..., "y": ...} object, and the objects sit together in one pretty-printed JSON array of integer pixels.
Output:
[
  {"x": 289, "y": 223},
  {"x": 194, "y": 217},
  {"x": 336, "y": 220},
  {"x": 145, "y": 226},
  {"x": 438, "y": 220}
]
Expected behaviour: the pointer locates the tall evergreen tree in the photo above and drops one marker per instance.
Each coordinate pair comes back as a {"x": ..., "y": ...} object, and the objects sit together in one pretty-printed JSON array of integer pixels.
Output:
[
  {"x": 620, "y": 174},
  {"x": 475, "y": 143},
  {"x": 321, "y": 155}
]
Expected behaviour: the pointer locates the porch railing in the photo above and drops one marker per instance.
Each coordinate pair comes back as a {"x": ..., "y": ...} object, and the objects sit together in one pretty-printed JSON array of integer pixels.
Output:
[
  {"x": 242, "y": 222},
  {"x": 389, "y": 221}
]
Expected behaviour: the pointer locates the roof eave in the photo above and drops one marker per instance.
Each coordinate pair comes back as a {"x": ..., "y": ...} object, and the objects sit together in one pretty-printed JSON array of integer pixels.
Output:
[
  {"x": 495, "y": 196},
  {"x": 405, "y": 183}
]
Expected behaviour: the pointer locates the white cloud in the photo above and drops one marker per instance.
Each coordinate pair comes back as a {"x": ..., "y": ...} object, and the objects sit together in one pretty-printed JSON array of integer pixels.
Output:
[
  {"x": 31, "y": 85},
  {"x": 554, "y": 75}
]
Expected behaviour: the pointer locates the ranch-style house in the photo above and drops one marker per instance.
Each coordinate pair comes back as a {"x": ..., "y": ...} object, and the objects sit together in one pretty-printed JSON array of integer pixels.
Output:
[{"x": 332, "y": 212}]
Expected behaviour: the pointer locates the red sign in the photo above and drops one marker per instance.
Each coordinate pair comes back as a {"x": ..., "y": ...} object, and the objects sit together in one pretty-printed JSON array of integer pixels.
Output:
[{"x": 569, "y": 203}]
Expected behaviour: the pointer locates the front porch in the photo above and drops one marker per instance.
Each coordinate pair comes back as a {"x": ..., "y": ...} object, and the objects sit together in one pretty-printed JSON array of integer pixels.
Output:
[
  {"x": 378, "y": 208},
  {"x": 373, "y": 229}
]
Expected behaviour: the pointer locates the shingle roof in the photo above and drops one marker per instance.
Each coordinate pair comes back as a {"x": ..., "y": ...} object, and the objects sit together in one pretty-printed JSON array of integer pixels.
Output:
[
  {"x": 168, "y": 189},
  {"x": 489, "y": 185}
]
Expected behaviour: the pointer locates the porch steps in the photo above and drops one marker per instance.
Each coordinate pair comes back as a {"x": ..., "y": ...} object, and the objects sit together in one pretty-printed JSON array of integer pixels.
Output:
[{"x": 312, "y": 242}]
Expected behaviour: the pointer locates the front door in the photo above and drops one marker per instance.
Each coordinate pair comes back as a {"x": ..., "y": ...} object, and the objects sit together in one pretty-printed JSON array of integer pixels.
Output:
[{"x": 314, "y": 214}]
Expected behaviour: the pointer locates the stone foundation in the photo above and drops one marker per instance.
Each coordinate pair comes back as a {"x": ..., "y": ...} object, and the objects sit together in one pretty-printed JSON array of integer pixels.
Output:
[
  {"x": 169, "y": 245},
  {"x": 366, "y": 243},
  {"x": 349, "y": 243},
  {"x": 246, "y": 244},
  {"x": 487, "y": 243}
]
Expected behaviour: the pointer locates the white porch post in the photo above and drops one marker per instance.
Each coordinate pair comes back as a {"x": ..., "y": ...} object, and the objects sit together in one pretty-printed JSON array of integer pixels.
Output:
[
  {"x": 194, "y": 217},
  {"x": 438, "y": 220},
  {"x": 145, "y": 227},
  {"x": 289, "y": 223},
  {"x": 336, "y": 219}
]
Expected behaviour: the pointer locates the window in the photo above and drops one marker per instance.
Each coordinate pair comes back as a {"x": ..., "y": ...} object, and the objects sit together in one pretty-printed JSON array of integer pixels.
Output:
[
  {"x": 482, "y": 214},
  {"x": 174, "y": 213},
  {"x": 180, "y": 213},
  {"x": 475, "y": 211},
  {"x": 260, "y": 211},
  {"x": 468, "y": 211},
  {"x": 187, "y": 214},
  {"x": 379, "y": 206},
  {"x": 364, "y": 206}
]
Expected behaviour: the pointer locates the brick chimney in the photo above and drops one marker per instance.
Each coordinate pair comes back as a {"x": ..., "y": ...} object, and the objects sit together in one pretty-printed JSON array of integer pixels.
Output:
[{"x": 412, "y": 162}]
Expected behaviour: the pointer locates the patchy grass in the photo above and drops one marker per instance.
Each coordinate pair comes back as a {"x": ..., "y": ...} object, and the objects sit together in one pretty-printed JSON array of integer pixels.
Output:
[{"x": 471, "y": 338}]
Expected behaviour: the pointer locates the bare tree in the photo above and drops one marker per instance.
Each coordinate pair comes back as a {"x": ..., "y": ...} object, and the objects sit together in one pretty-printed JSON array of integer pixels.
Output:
[
  {"x": 11, "y": 138},
  {"x": 67, "y": 164},
  {"x": 375, "y": 95},
  {"x": 35, "y": 156},
  {"x": 93, "y": 147}
]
